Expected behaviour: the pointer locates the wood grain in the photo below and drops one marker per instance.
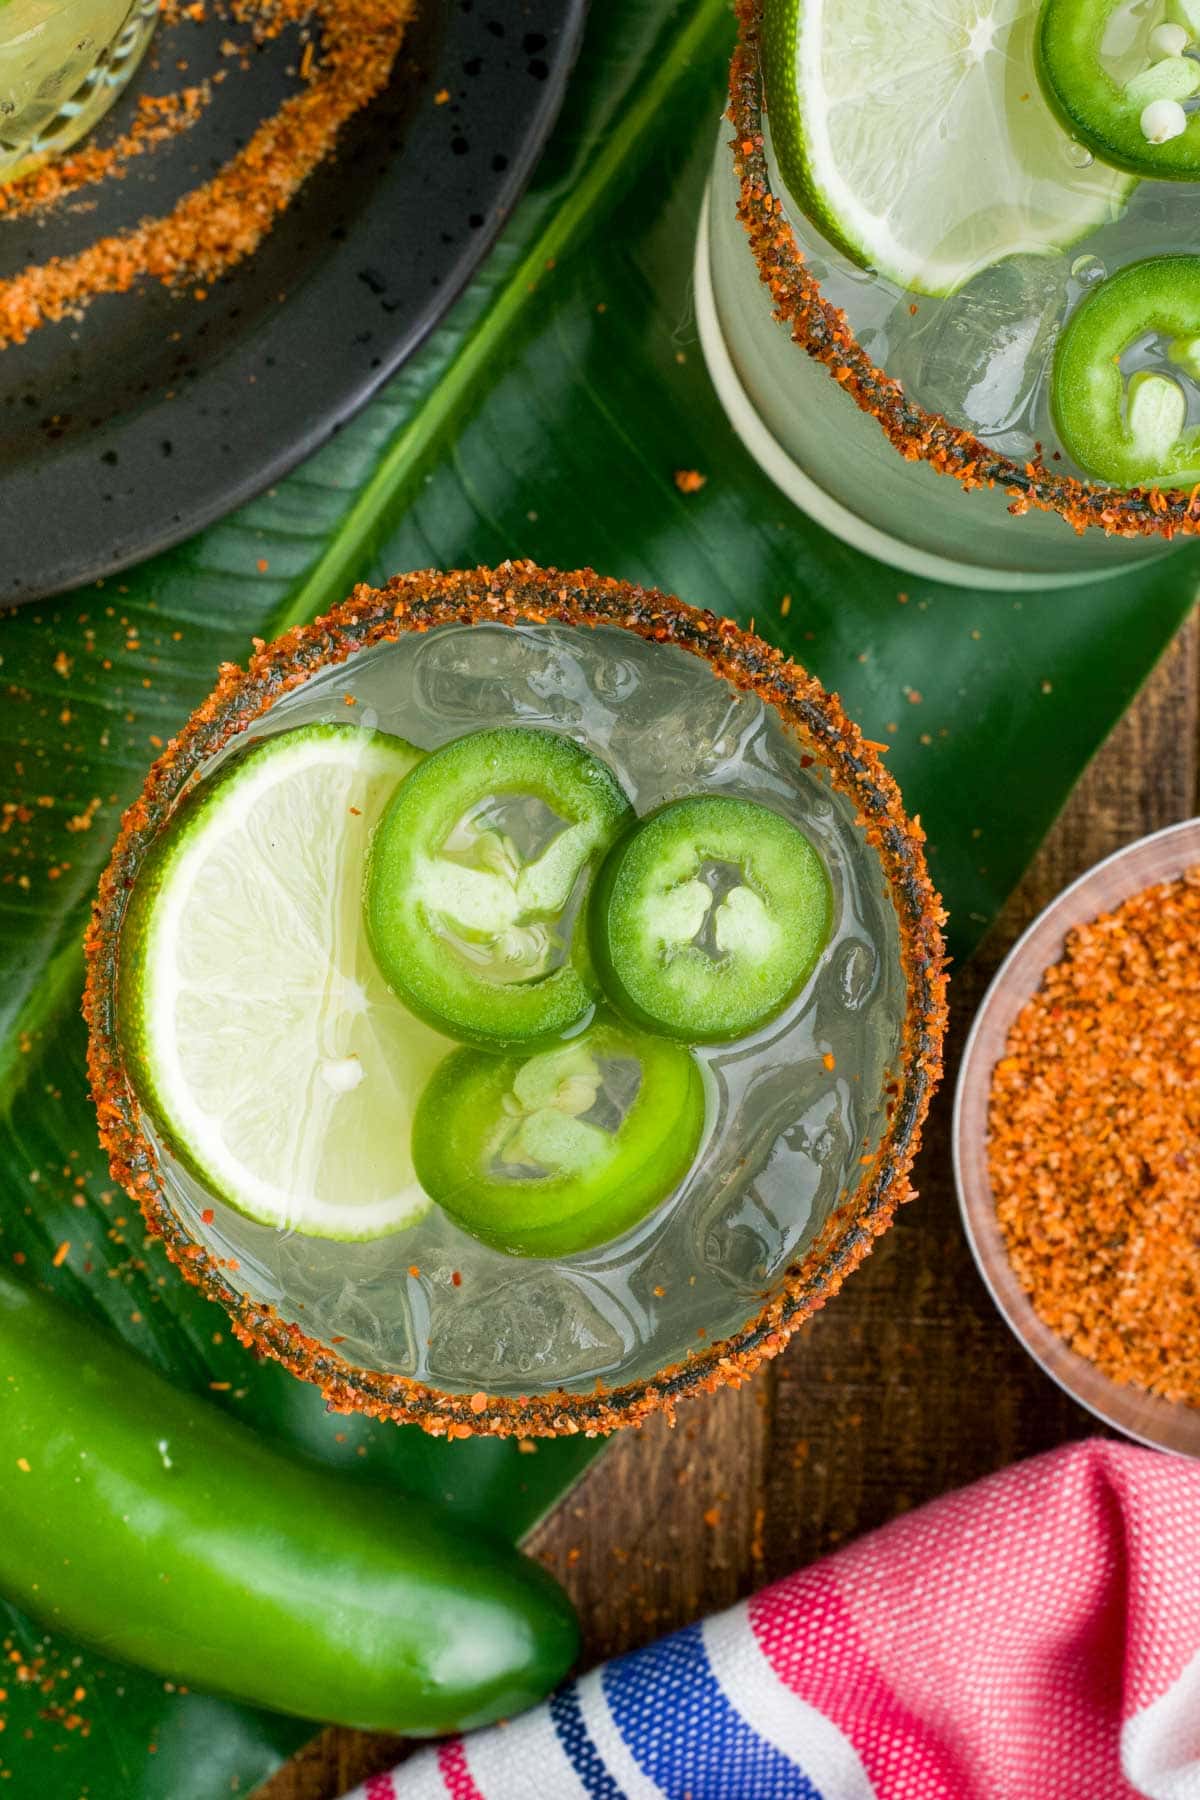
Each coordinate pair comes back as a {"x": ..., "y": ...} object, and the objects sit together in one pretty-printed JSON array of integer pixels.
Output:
[{"x": 907, "y": 1386}]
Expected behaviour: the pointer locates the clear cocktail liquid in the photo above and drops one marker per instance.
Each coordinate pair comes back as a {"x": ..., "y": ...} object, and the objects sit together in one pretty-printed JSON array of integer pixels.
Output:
[
  {"x": 785, "y": 1132},
  {"x": 982, "y": 356}
]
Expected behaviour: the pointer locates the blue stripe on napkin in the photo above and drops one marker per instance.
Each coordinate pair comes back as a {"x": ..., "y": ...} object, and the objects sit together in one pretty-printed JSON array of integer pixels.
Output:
[
  {"x": 681, "y": 1729},
  {"x": 580, "y": 1751}
]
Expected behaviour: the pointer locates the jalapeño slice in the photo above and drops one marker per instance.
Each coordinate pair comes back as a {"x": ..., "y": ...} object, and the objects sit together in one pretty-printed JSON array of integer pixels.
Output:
[
  {"x": 1139, "y": 123},
  {"x": 548, "y": 1153},
  {"x": 478, "y": 877},
  {"x": 708, "y": 917},
  {"x": 1131, "y": 433}
]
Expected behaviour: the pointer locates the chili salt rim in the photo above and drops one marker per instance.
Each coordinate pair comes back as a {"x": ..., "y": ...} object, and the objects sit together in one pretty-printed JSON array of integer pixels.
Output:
[
  {"x": 521, "y": 593},
  {"x": 823, "y": 331}
]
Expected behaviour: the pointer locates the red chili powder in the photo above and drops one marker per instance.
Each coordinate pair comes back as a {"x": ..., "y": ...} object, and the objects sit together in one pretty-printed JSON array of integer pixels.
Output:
[
  {"x": 224, "y": 220},
  {"x": 1094, "y": 1142}
]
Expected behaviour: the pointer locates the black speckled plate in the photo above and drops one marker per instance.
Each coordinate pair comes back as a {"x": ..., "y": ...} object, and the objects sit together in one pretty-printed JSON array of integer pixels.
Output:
[{"x": 154, "y": 414}]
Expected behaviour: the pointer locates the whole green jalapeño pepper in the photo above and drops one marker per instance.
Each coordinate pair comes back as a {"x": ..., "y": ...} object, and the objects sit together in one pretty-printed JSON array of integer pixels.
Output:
[{"x": 146, "y": 1522}]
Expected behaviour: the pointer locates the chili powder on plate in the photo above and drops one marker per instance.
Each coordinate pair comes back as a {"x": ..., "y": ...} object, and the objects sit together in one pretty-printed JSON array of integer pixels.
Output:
[
  {"x": 223, "y": 220},
  {"x": 1094, "y": 1142}
]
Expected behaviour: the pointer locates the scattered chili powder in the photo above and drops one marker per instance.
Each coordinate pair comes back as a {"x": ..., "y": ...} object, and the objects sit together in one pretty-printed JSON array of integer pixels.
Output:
[
  {"x": 689, "y": 481},
  {"x": 82, "y": 821},
  {"x": 219, "y": 223},
  {"x": 1094, "y": 1142}
]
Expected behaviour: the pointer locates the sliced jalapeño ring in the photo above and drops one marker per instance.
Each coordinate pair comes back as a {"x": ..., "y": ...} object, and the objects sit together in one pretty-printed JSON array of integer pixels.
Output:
[
  {"x": 478, "y": 881},
  {"x": 708, "y": 917},
  {"x": 1132, "y": 432},
  {"x": 554, "y": 1151},
  {"x": 1139, "y": 123}
]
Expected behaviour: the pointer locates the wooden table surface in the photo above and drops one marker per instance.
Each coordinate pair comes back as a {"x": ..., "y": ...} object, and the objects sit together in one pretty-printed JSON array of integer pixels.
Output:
[{"x": 907, "y": 1385}]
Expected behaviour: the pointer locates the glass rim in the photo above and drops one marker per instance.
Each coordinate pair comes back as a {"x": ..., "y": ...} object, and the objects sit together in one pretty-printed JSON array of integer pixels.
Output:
[
  {"x": 824, "y": 333},
  {"x": 523, "y": 594}
]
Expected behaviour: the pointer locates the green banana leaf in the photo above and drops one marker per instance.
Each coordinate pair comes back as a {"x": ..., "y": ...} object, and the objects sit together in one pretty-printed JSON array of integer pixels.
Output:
[{"x": 546, "y": 419}]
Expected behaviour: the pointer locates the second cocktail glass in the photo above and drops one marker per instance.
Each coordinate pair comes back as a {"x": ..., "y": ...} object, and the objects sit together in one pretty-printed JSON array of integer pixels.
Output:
[{"x": 906, "y": 397}]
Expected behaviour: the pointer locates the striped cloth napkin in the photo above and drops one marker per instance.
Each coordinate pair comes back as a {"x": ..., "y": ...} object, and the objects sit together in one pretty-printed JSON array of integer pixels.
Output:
[{"x": 1034, "y": 1637}]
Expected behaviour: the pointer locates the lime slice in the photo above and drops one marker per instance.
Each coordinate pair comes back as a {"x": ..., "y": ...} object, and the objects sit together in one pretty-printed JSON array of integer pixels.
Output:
[
  {"x": 914, "y": 135},
  {"x": 259, "y": 1032}
]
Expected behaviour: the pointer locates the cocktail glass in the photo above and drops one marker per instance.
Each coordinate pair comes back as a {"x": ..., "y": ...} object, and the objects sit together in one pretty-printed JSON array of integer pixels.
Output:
[
  {"x": 62, "y": 64},
  {"x": 812, "y": 1123},
  {"x": 788, "y": 325}
]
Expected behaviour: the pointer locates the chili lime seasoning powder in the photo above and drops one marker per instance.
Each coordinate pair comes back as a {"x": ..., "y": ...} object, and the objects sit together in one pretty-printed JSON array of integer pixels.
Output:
[
  {"x": 1094, "y": 1142},
  {"x": 220, "y": 222}
]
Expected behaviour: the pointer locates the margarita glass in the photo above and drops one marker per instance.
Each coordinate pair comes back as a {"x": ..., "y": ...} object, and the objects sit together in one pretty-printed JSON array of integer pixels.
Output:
[
  {"x": 894, "y": 245},
  {"x": 716, "y": 1172},
  {"x": 62, "y": 64}
]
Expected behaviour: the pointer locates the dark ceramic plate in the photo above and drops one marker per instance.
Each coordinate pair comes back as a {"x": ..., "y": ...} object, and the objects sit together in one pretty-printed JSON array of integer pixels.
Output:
[{"x": 154, "y": 414}]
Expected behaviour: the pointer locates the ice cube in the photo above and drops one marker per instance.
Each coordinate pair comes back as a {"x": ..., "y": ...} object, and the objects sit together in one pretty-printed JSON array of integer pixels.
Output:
[
  {"x": 491, "y": 674},
  {"x": 548, "y": 1325},
  {"x": 854, "y": 973},
  {"x": 979, "y": 356},
  {"x": 680, "y": 733},
  {"x": 615, "y": 679},
  {"x": 740, "y": 1241},
  {"x": 805, "y": 1177}
]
